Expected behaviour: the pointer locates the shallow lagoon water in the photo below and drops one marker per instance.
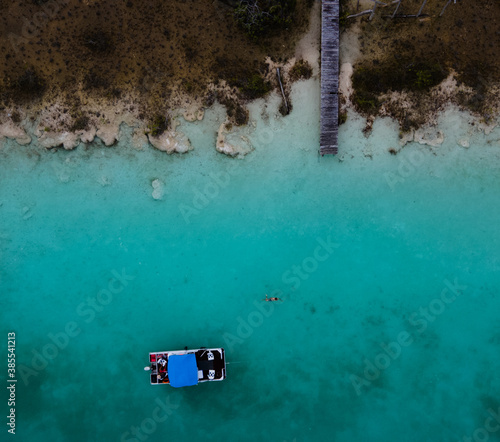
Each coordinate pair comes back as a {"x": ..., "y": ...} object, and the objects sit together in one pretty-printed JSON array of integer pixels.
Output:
[{"x": 367, "y": 250}]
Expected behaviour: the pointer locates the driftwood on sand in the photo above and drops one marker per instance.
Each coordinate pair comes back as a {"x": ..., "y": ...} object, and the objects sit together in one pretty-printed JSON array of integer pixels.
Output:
[{"x": 282, "y": 91}]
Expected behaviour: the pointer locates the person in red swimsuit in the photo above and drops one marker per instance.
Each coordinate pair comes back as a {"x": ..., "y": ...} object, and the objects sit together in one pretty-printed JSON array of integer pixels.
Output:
[{"x": 272, "y": 299}]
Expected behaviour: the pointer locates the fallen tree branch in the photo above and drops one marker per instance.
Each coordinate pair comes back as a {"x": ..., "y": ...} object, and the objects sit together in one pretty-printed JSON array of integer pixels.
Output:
[
  {"x": 406, "y": 16},
  {"x": 421, "y": 8},
  {"x": 368, "y": 11},
  {"x": 397, "y": 7},
  {"x": 282, "y": 91},
  {"x": 445, "y": 6}
]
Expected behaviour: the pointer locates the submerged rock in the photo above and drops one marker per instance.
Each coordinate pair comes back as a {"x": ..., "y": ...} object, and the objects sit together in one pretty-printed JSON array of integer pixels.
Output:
[
  {"x": 230, "y": 149},
  {"x": 171, "y": 141},
  {"x": 430, "y": 136},
  {"x": 27, "y": 214},
  {"x": 158, "y": 190},
  {"x": 104, "y": 181}
]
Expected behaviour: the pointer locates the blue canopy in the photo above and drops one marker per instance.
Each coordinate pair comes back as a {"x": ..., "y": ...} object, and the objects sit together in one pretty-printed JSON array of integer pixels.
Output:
[{"x": 182, "y": 370}]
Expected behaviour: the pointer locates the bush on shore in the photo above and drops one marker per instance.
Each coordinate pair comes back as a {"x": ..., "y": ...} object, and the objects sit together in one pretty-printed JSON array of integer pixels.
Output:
[{"x": 260, "y": 17}]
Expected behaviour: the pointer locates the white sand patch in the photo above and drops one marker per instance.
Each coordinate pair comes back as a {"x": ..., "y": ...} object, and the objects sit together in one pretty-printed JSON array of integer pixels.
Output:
[
  {"x": 345, "y": 82},
  {"x": 308, "y": 47},
  {"x": 87, "y": 136},
  {"x": 68, "y": 140},
  {"x": 349, "y": 48},
  {"x": 109, "y": 134},
  {"x": 194, "y": 113},
  {"x": 8, "y": 129}
]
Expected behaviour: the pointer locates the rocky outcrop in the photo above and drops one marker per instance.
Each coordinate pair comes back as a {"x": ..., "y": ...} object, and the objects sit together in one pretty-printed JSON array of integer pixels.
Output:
[
  {"x": 10, "y": 130},
  {"x": 231, "y": 149}
]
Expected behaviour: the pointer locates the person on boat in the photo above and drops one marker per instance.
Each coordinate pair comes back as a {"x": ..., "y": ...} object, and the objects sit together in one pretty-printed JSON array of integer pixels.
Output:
[{"x": 272, "y": 299}]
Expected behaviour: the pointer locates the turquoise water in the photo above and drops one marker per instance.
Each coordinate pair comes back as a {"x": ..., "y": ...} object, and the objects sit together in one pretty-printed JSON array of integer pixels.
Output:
[{"x": 367, "y": 250}]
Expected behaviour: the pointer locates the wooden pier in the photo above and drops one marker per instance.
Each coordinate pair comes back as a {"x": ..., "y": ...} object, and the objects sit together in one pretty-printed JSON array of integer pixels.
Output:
[{"x": 329, "y": 77}]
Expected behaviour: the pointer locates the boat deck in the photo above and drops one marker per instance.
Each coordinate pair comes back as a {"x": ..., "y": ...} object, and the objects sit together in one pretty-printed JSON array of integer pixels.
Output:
[{"x": 209, "y": 368}]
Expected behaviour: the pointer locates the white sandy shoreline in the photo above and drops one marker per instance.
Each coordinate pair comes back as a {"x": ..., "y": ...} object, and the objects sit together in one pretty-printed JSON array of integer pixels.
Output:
[{"x": 52, "y": 122}]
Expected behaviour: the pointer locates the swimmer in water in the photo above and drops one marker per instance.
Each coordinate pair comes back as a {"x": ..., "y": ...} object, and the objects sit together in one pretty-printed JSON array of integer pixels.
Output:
[{"x": 272, "y": 299}]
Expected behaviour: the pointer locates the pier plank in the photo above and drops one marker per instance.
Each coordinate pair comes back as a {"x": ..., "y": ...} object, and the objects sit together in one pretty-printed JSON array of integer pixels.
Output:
[{"x": 330, "y": 10}]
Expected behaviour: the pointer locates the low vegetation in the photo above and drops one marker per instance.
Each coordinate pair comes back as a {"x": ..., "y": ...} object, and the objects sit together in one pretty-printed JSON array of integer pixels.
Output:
[
  {"x": 92, "y": 80},
  {"x": 234, "y": 109},
  {"x": 80, "y": 122},
  {"x": 404, "y": 75},
  {"x": 158, "y": 125},
  {"x": 97, "y": 41},
  {"x": 27, "y": 86},
  {"x": 261, "y": 17},
  {"x": 301, "y": 70},
  {"x": 254, "y": 86}
]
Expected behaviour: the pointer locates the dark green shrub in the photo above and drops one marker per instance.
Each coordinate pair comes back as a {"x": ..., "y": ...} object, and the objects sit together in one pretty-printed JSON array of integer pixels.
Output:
[
  {"x": 344, "y": 23},
  {"x": 254, "y": 86},
  {"x": 423, "y": 76},
  {"x": 366, "y": 102},
  {"x": 97, "y": 41},
  {"x": 301, "y": 69},
  {"x": 94, "y": 81},
  {"x": 240, "y": 115},
  {"x": 188, "y": 86},
  {"x": 158, "y": 125},
  {"x": 259, "y": 17},
  {"x": 80, "y": 123},
  {"x": 370, "y": 82},
  {"x": 16, "y": 118},
  {"x": 29, "y": 84},
  {"x": 419, "y": 75}
]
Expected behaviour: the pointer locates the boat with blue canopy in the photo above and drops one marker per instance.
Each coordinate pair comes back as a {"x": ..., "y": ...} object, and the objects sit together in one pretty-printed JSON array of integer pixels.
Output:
[{"x": 184, "y": 368}]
